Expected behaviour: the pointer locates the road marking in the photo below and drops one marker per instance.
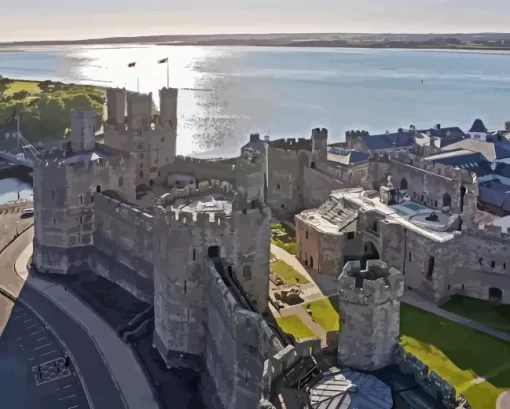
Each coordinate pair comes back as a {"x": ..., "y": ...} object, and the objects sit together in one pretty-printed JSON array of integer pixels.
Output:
[
  {"x": 35, "y": 333},
  {"x": 30, "y": 319},
  {"x": 40, "y": 339},
  {"x": 67, "y": 397},
  {"x": 15, "y": 318},
  {"x": 67, "y": 386},
  {"x": 32, "y": 326},
  {"x": 17, "y": 339},
  {"x": 42, "y": 346},
  {"x": 47, "y": 353},
  {"x": 73, "y": 407}
]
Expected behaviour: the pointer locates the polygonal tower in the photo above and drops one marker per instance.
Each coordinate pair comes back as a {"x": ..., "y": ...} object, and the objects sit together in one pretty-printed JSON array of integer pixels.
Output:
[
  {"x": 369, "y": 307},
  {"x": 320, "y": 145}
]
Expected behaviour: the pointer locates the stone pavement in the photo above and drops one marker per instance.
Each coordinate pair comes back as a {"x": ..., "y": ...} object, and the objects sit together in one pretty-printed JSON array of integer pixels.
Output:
[{"x": 121, "y": 360}]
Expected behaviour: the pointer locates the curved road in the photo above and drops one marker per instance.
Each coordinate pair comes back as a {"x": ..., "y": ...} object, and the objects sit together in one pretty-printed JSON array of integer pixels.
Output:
[{"x": 100, "y": 385}]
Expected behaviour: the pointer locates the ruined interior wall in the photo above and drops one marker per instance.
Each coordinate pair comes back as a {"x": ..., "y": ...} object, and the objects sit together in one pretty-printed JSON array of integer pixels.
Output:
[
  {"x": 123, "y": 242},
  {"x": 317, "y": 187}
]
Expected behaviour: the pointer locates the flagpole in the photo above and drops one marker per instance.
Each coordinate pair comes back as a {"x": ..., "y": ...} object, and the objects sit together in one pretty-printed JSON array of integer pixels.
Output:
[
  {"x": 167, "y": 74},
  {"x": 137, "y": 83}
]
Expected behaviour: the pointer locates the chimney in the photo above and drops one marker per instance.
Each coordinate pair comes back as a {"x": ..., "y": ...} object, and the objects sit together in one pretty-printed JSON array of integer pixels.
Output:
[
  {"x": 438, "y": 127},
  {"x": 254, "y": 137}
]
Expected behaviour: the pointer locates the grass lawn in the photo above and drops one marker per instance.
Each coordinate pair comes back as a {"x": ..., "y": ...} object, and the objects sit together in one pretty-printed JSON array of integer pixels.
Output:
[
  {"x": 325, "y": 313},
  {"x": 288, "y": 247},
  {"x": 458, "y": 354},
  {"x": 287, "y": 273},
  {"x": 484, "y": 312},
  {"x": 31, "y": 87},
  {"x": 293, "y": 325}
]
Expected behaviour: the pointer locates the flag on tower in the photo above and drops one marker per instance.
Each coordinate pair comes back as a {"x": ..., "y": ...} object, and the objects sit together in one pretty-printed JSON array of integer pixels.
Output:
[
  {"x": 164, "y": 60},
  {"x": 132, "y": 64}
]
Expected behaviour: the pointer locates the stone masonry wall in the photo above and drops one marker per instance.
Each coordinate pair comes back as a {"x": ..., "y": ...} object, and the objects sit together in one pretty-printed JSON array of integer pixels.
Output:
[
  {"x": 123, "y": 243},
  {"x": 318, "y": 187},
  {"x": 235, "y": 346}
]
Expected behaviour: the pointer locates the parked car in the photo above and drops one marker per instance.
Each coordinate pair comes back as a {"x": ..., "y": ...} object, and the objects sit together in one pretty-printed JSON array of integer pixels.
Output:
[{"x": 27, "y": 213}]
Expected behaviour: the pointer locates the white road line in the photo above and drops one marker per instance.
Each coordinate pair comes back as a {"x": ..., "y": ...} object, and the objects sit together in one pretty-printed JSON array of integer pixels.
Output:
[
  {"x": 15, "y": 318},
  {"x": 67, "y": 397},
  {"x": 42, "y": 346},
  {"x": 35, "y": 333},
  {"x": 17, "y": 339},
  {"x": 73, "y": 407},
  {"x": 47, "y": 353},
  {"x": 40, "y": 339},
  {"x": 67, "y": 386},
  {"x": 32, "y": 326},
  {"x": 30, "y": 319}
]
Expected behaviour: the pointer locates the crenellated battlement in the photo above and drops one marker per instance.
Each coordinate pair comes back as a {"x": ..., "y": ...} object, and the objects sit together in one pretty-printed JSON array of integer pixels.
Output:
[
  {"x": 376, "y": 284},
  {"x": 291, "y": 145},
  {"x": 319, "y": 133},
  {"x": 491, "y": 231},
  {"x": 244, "y": 167},
  {"x": 408, "y": 159},
  {"x": 191, "y": 191},
  {"x": 108, "y": 205}
]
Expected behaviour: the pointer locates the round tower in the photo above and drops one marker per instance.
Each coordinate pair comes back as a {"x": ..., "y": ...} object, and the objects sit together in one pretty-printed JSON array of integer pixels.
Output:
[
  {"x": 369, "y": 307},
  {"x": 195, "y": 229}
]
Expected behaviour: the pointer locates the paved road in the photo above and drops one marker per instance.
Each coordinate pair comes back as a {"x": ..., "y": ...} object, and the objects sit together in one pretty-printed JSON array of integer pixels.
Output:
[
  {"x": 98, "y": 380},
  {"x": 32, "y": 367}
]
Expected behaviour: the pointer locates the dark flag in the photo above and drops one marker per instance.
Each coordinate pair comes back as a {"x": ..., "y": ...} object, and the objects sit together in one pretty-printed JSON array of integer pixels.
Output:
[
  {"x": 164, "y": 60},
  {"x": 132, "y": 64}
]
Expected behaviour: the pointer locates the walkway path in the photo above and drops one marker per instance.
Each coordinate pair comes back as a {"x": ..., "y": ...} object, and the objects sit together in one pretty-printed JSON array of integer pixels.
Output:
[
  {"x": 416, "y": 301},
  {"x": 307, "y": 320},
  {"x": 121, "y": 360}
]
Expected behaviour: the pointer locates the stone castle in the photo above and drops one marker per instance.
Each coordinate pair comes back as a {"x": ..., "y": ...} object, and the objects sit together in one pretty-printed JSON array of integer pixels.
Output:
[{"x": 193, "y": 236}]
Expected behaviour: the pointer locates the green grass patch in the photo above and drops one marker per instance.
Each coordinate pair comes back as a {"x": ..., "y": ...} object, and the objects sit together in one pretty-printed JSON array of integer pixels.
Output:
[
  {"x": 457, "y": 353},
  {"x": 46, "y": 106},
  {"x": 293, "y": 325},
  {"x": 325, "y": 313},
  {"x": 484, "y": 312},
  {"x": 287, "y": 273},
  {"x": 289, "y": 247}
]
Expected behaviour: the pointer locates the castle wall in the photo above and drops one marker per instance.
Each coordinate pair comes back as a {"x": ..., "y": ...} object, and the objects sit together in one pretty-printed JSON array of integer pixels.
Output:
[
  {"x": 285, "y": 182},
  {"x": 64, "y": 208},
  {"x": 234, "y": 345},
  {"x": 317, "y": 187},
  {"x": 123, "y": 246},
  {"x": 352, "y": 176}
]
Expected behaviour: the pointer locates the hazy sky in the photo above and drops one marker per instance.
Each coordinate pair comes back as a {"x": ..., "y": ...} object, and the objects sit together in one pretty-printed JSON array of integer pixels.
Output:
[{"x": 64, "y": 19}]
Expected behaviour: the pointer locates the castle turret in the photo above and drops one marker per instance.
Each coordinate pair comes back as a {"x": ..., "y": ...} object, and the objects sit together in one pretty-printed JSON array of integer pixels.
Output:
[
  {"x": 83, "y": 130},
  {"x": 116, "y": 106},
  {"x": 369, "y": 306},
  {"x": 320, "y": 145}
]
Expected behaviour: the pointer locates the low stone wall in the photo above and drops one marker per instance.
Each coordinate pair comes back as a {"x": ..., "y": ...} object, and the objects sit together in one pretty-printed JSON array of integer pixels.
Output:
[
  {"x": 429, "y": 380},
  {"x": 288, "y": 357}
]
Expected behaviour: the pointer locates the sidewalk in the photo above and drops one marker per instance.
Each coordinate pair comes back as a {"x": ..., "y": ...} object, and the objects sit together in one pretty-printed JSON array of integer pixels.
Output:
[
  {"x": 121, "y": 360},
  {"x": 414, "y": 300}
]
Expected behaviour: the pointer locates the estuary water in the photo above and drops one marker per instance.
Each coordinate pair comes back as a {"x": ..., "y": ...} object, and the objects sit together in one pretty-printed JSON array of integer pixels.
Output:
[{"x": 228, "y": 92}]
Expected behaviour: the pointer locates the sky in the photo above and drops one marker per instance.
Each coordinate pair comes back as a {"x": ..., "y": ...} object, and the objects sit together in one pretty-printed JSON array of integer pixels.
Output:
[{"x": 69, "y": 20}]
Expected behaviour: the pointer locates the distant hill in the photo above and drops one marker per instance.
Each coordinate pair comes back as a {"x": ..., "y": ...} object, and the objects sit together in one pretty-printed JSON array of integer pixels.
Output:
[{"x": 460, "y": 40}]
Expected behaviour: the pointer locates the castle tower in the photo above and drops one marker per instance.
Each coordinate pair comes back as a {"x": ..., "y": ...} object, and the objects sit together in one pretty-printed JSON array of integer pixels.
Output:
[
  {"x": 168, "y": 121},
  {"x": 369, "y": 307},
  {"x": 320, "y": 145},
  {"x": 83, "y": 130},
  {"x": 116, "y": 107}
]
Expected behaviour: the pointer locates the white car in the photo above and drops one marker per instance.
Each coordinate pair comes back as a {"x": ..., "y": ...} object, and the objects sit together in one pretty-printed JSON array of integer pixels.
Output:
[{"x": 27, "y": 212}]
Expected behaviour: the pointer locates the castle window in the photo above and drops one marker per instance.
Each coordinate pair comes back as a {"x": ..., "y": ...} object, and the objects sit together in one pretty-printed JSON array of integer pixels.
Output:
[
  {"x": 247, "y": 273},
  {"x": 431, "y": 267},
  {"x": 121, "y": 181},
  {"x": 504, "y": 266},
  {"x": 81, "y": 220},
  {"x": 410, "y": 257},
  {"x": 194, "y": 254},
  {"x": 151, "y": 183},
  {"x": 92, "y": 198},
  {"x": 141, "y": 173},
  {"x": 297, "y": 187},
  {"x": 493, "y": 264},
  {"x": 245, "y": 211},
  {"x": 312, "y": 165},
  {"x": 278, "y": 186},
  {"x": 449, "y": 286},
  {"x": 480, "y": 261},
  {"x": 185, "y": 287},
  {"x": 351, "y": 235},
  {"x": 98, "y": 189},
  {"x": 282, "y": 206},
  {"x": 253, "y": 204},
  {"x": 374, "y": 226},
  {"x": 162, "y": 139},
  {"x": 82, "y": 131},
  {"x": 159, "y": 173},
  {"x": 81, "y": 199},
  {"x": 306, "y": 234},
  {"x": 54, "y": 221}
]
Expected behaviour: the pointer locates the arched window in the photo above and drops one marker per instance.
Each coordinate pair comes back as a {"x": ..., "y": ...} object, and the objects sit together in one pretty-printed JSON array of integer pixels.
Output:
[
  {"x": 447, "y": 200},
  {"x": 403, "y": 184}
]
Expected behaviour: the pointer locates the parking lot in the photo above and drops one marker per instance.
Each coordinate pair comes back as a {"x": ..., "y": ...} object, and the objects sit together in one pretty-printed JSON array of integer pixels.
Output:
[
  {"x": 12, "y": 222},
  {"x": 33, "y": 374}
]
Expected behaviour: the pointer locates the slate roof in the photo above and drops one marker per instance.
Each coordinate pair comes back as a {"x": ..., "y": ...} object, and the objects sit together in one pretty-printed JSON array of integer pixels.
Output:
[
  {"x": 346, "y": 156},
  {"x": 494, "y": 197},
  {"x": 457, "y": 157},
  {"x": 502, "y": 169},
  {"x": 490, "y": 150},
  {"x": 478, "y": 126},
  {"x": 451, "y": 133},
  {"x": 389, "y": 141}
]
